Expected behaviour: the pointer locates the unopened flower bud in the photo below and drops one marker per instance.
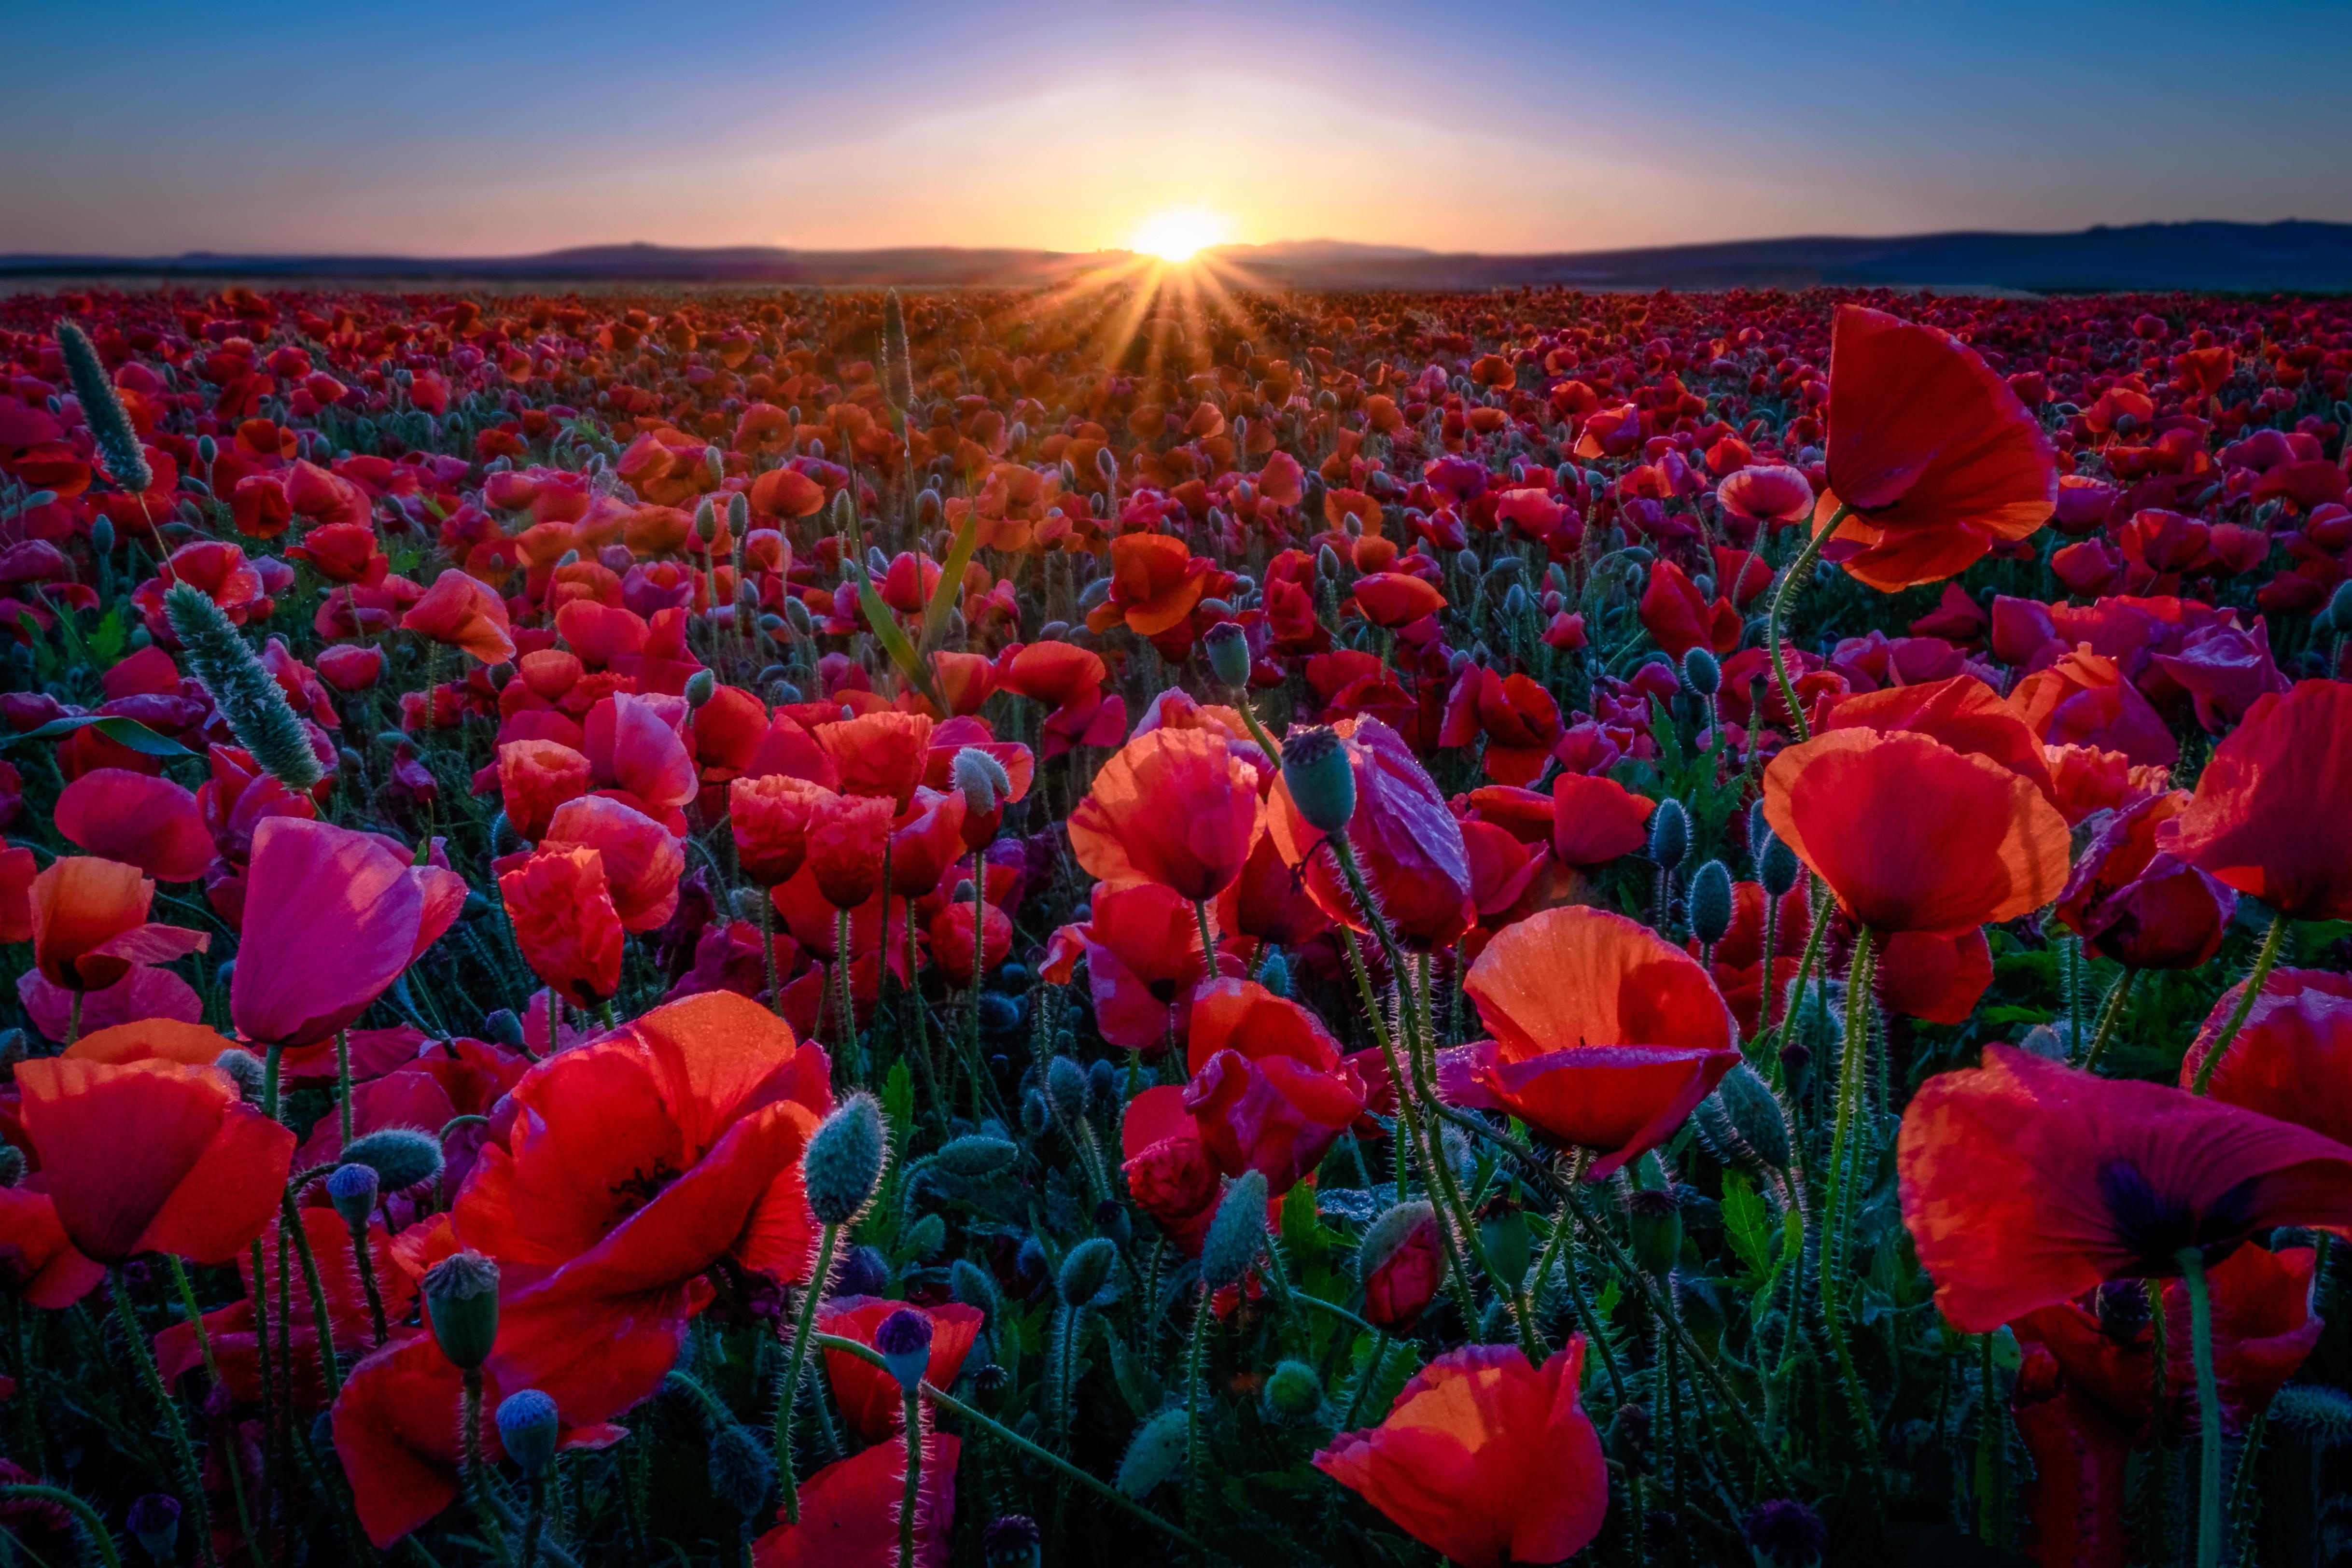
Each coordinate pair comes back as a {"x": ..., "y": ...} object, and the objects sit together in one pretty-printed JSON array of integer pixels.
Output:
[
  {"x": 742, "y": 1473},
  {"x": 1293, "y": 1392},
  {"x": 245, "y": 1068},
  {"x": 401, "y": 1157},
  {"x": 1710, "y": 902},
  {"x": 1238, "y": 1234},
  {"x": 1654, "y": 1217},
  {"x": 12, "y": 1164},
  {"x": 1785, "y": 1534},
  {"x": 1320, "y": 777},
  {"x": 1670, "y": 834},
  {"x": 699, "y": 688},
  {"x": 527, "y": 1428},
  {"x": 155, "y": 1522},
  {"x": 461, "y": 1298},
  {"x": 1702, "y": 672},
  {"x": 353, "y": 1190},
  {"x": 982, "y": 779},
  {"x": 1086, "y": 1269},
  {"x": 101, "y": 534},
  {"x": 843, "y": 1161},
  {"x": 975, "y": 1154},
  {"x": 1156, "y": 1453},
  {"x": 706, "y": 521},
  {"x": 1754, "y": 1112}
]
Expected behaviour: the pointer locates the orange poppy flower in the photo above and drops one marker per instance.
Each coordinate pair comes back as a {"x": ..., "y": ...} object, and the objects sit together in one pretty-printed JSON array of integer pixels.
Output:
[
  {"x": 561, "y": 905},
  {"x": 1913, "y": 835},
  {"x": 881, "y": 754},
  {"x": 1484, "y": 1457},
  {"x": 153, "y": 1156},
  {"x": 1930, "y": 449},
  {"x": 771, "y": 817},
  {"x": 1155, "y": 580},
  {"x": 90, "y": 925},
  {"x": 1177, "y": 807},
  {"x": 461, "y": 611}
]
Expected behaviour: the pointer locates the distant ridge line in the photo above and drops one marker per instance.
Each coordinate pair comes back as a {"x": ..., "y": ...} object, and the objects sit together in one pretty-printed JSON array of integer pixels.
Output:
[{"x": 2293, "y": 256}]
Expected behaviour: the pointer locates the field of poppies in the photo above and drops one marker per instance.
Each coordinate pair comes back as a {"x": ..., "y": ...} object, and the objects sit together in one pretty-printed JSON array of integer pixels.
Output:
[{"x": 1096, "y": 927}]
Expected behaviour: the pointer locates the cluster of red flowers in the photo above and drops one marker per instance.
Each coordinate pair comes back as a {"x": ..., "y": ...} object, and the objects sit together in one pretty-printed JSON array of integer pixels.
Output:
[{"x": 1656, "y": 927}]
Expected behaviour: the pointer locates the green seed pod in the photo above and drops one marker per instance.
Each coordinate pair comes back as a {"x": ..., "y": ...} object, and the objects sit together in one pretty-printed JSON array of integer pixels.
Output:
[
  {"x": 1654, "y": 1217},
  {"x": 975, "y": 1154},
  {"x": 1320, "y": 777},
  {"x": 461, "y": 1296},
  {"x": 699, "y": 688},
  {"x": 843, "y": 1163},
  {"x": 1754, "y": 1112},
  {"x": 1670, "y": 834},
  {"x": 1156, "y": 1453},
  {"x": 1086, "y": 1269},
  {"x": 528, "y": 1427},
  {"x": 1293, "y": 1392},
  {"x": 1238, "y": 1234},
  {"x": 401, "y": 1157},
  {"x": 353, "y": 1190},
  {"x": 1710, "y": 902},
  {"x": 1229, "y": 654},
  {"x": 1702, "y": 672}
]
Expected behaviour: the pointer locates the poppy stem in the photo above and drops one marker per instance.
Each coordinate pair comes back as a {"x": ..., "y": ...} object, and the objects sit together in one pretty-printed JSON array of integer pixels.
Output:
[
  {"x": 1204, "y": 1323},
  {"x": 188, "y": 1293},
  {"x": 847, "y": 1001},
  {"x": 2111, "y": 1013},
  {"x": 2263, "y": 961},
  {"x": 191, "y": 1486},
  {"x": 73, "y": 1018},
  {"x": 1365, "y": 1379},
  {"x": 365, "y": 1264},
  {"x": 534, "y": 1523},
  {"x": 768, "y": 951},
  {"x": 344, "y": 1083},
  {"x": 329, "y": 1365},
  {"x": 1850, "y": 1081},
  {"x": 2209, "y": 1407},
  {"x": 1791, "y": 576},
  {"x": 469, "y": 1463},
  {"x": 1208, "y": 937},
  {"x": 270, "y": 1066},
  {"x": 908, "y": 1503},
  {"x": 92, "y": 1526},
  {"x": 788, "y": 1380}
]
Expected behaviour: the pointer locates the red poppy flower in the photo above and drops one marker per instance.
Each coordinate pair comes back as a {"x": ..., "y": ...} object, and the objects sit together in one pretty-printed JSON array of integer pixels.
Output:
[
  {"x": 560, "y": 907},
  {"x": 1931, "y": 450},
  {"x": 153, "y": 1156},
  {"x": 2142, "y": 908},
  {"x": 90, "y": 926},
  {"x": 1069, "y": 679},
  {"x": 342, "y": 553},
  {"x": 2267, "y": 817},
  {"x": 1771, "y": 493},
  {"x": 1267, "y": 903},
  {"x": 846, "y": 836},
  {"x": 1936, "y": 979},
  {"x": 1396, "y": 598},
  {"x": 1401, "y": 1288},
  {"x": 880, "y": 754},
  {"x": 849, "y": 1511},
  {"x": 39, "y": 1263},
  {"x": 1144, "y": 954},
  {"x": 147, "y": 822},
  {"x": 2026, "y": 1184},
  {"x": 1177, "y": 807},
  {"x": 1913, "y": 835},
  {"x": 2292, "y": 1056},
  {"x": 1517, "y": 716},
  {"x": 1594, "y": 820},
  {"x": 634, "y": 743},
  {"x": 953, "y": 949},
  {"x": 643, "y": 860},
  {"x": 2075, "y": 1503},
  {"x": 332, "y": 919},
  {"x": 1406, "y": 841},
  {"x": 1739, "y": 954},
  {"x": 2082, "y": 699},
  {"x": 1961, "y": 712},
  {"x": 1268, "y": 1090},
  {"x": 534, "y": 778},
  {"x": 1168, "y": 1172},
  {"x": 926, "y": 839},
  {"x": 771, "y": 817},
  {"x": 1674, "y": 612},
  {"x": 1605, "y": 1034},
  {"x": 1484, "y": 1457},
  {"x": 870, "y": 1399},
  {"x": 1155, "y": 580},
  {"x": 462, "y": 611}
]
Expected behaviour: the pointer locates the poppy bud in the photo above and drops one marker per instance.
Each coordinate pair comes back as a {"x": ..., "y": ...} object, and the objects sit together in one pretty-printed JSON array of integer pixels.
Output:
[
  {"x": 1111, "y": 1222},
  {"x": 1238, "y": 1234},
  {"x": 843, "y": 1161},
  {"x": 975, "y": 1154},
  {"x": 904, "y": 1338},
  {"x": 1777, "y": 868},
  {"x": 154, "y": 1521},
  {"x": 982, "y": 779},
  {"x": 1754, "y": 1112},
  {"x": 1065, "y": 1087},
  {"x": 863, "y": 1271},
  {"x": 706, "y": 521},
  {"x": 101, "y": 532},
  {"x": 1086, "y": 1269},
  {"x": 1399, "y": 1264},
  {"x": 1034, "y": 1117},
  {"x": 714, "y": 462},
  {"x": 845, "y": 512},
  {"x": 1710, "y": 902},
  {"x": 1785, "y": 1534},
  {"x": 1326, "y": 564},
  {"x": 501, "y": 1026},
  {"x": 528, "y": 1427},
  {"x": 1654, "y": 1217},
  {"x": 1628, "y": 1436},
  {"x": 1670, "y": 834},
  {"x": 569, "y": 558},
  {"x": 12, "y": 1164},
  {"x": 739, "y": 514},
  {"x": 1010, "y": 1541},
  {"x": 401, "y": 1157},
  {"x": 1321, "y": 778},
  {"x": 353, "y": 1190},
  {"x": 244, "y": 1067},
  {"x": 1702, "y": 672},
  {"x": 461, "y": 1296},
  {"x": 1156, "y": 1453},
  {"x": 1293, "y": 1392},
  {"x": 207, "y": 450},
  {"x": 927, "y": 1235},
  {"x": 1274, "y": 973},
  {"x": 973, "y": 1286},
  {"x": 2339, "y": 607},
  {"x": 1797, "y": 1068},
  {"x": 1229, "y": 654},
  {"x": 700, "y": 685},
  {"x": 741, "y": 1473}
]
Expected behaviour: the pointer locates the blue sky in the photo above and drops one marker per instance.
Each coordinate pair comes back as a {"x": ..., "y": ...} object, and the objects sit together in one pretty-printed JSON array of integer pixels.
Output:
[{"x": 437, "y": 128}]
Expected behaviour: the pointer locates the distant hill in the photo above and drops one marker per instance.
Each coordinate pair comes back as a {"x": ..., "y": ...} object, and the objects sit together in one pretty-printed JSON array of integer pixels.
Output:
[{"x": 2291, "y": 256}]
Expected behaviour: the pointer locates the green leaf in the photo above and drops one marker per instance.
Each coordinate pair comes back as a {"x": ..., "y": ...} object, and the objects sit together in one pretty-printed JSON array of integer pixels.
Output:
[
  {"x": 951, "y": 583},
  {"x": 109, "y": 638},
  {"x": 123, "y": 731},
  {"x": 1745, "y": 1223}
]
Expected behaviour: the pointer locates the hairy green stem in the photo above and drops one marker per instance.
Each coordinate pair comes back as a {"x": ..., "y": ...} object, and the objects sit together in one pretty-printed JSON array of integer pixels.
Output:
[
  {"x": 2209, "y": 1408},
  {"x": 788, "y": 1380},
  {"x": 2263, "y": 961}
]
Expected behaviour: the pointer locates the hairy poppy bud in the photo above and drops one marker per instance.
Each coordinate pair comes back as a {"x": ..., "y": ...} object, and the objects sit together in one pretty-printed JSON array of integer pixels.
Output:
[
  {"x": 401, "y": 1156},
  {"x": 1710, "y": 902},
  {"x": 528, "y": 1427},
  {"x": 699, "y": 688},
  {"x": 1229, "y": 654},
  {"x": 1399, "y": 1264},
  {"x": 1111, "y": 1221},
  {"x": 904, "y": 1339},
  {"x": 1670, "y": 834},
  {"x": 738, "y": 515},
  {"x": 1034, "y": 1117},
  {"x": 845, "y": 512},
  {"x": 796, "y": 616},
  {"x": 862, "y": 1271},
  {"x": 982, "y": 780},
  {"x": 353, "y": 1190},
  {"x": 973, "y": 1286},
  {"x": 501, "y": 1025},
  {"x": 714, "y": 462},
  {"x": 843, "y": 1161},
  {"x": 1653, "y": 1217},
  {"x": 1156, "y": 1453},
  {"x": 742, "y": 1472},
  {"x": 208, "y": 450},
  {"x": 1702, "y": 672},
  {"x": 1293, "y": 1392},
  {"x": 1065, "y": 1087},
  {"x": 245, "y": 1068},
  {"x": 461, "y": 1296},
  {"x": 706, "y": 521},
  {"x": 2339, "y": 612},
  {"x": 1321, "y": 778},
  {"x": 1754, "y": 1112},
  {"x": 101, "y": 531},
  {"x": 154, "y": 1521},
  {"x": 975, "y": 1154},
  {"x": 1086, "y": 1269},
  {"x": 925, "y": 1236},
  {"x": 1238, "y": 1234},
  {"x": 1010, "y": 1541}
]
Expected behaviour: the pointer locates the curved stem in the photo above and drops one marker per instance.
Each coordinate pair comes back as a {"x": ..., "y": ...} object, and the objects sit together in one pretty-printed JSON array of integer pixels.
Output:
[
  {"x": 768, "y": 949},
  {"x": 1208, "y": 937},
  {"x": 1850, "y": 1081},
  {"x": 2111, "y": 1013},
  {"x": 191, "y": 1483},
  {"x": 788, "y": 1381},
  {"x": 2209, "y": 1408},
  {"x": 2263, "y": 961},
  {"x": 1364, "y": 1379},
  {"x": 1795, "y": 572},
  {"x": 91, "y": 1524}
]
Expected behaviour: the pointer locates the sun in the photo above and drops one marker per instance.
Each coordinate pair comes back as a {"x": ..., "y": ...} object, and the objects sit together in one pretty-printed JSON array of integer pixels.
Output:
[{"x": 1178, "y": 234}]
